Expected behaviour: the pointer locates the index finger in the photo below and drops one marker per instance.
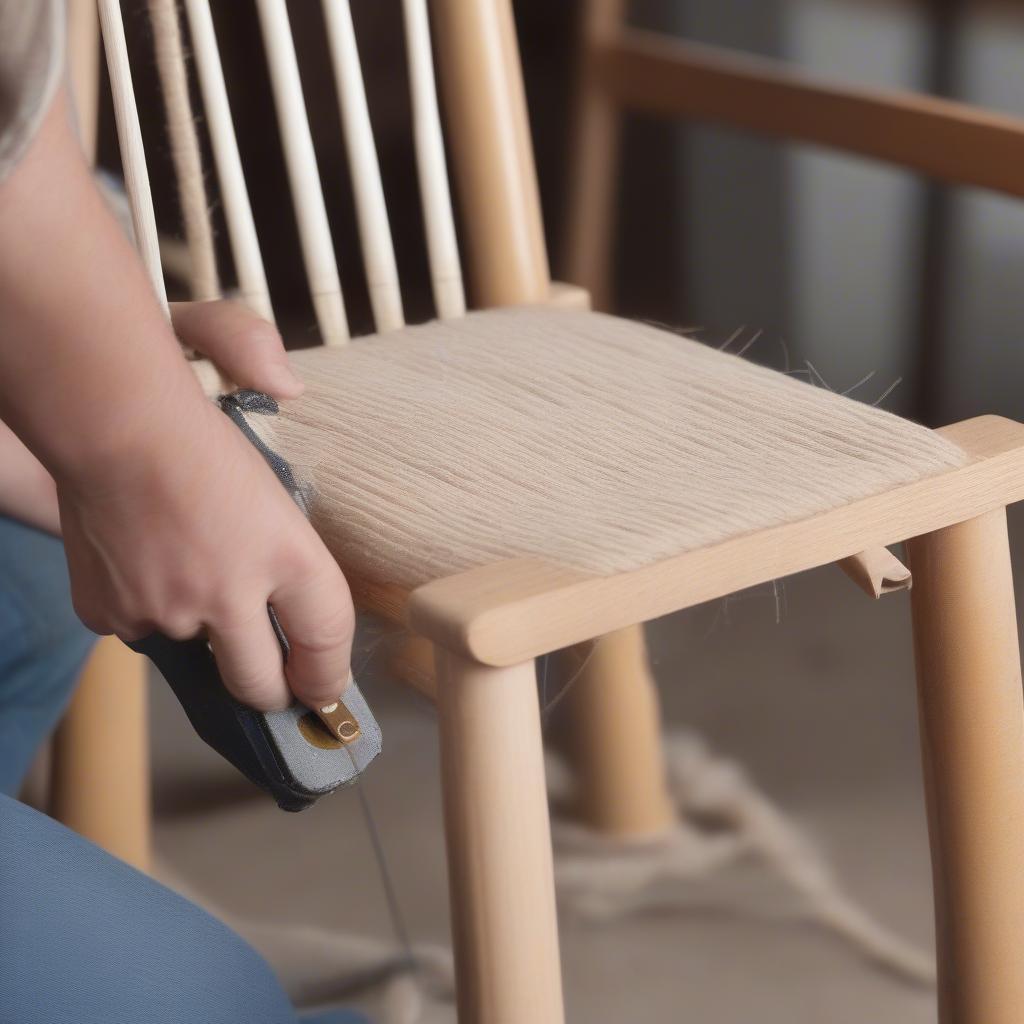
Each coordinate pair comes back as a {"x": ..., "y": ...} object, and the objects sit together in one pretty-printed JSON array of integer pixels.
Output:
[
  {"x": 318, "y": 620},
  {"x": 243, "y": 346}
]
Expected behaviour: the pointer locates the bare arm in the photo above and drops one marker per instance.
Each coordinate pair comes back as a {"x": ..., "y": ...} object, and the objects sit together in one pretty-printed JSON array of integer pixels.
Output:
[{"x": 170, "y": 519}]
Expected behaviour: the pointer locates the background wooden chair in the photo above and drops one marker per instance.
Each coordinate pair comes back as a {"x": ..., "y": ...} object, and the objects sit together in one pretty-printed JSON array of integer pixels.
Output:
[{"x": 489, "y": 623}]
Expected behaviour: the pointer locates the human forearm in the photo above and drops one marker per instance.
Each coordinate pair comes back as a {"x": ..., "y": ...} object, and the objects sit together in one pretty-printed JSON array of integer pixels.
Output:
[
  {"x": 27, "y": 491},
  {"x": 171, "y": 519},
  {"x": 90, "y": 371}
]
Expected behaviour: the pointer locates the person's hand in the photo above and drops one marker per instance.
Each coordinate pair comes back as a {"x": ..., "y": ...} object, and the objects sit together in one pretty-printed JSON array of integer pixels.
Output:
[
  {"x": 192, "y": 532},
  {"x": 171, "y": 519},
  {"x": 243, "y": 346}
]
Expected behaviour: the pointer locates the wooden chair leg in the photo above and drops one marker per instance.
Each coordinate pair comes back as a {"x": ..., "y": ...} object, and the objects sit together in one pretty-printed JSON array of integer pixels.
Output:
[
  {"x": 972, "y": 734},
  {"x": 615, "y": 698},
  {"x": 501, "y": 877},
  {"x": 100, "y": 768}
]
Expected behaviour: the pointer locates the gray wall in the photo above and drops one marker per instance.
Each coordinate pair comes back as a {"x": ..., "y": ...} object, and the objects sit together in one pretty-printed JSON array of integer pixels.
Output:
[{"x": 824, "y": 251}]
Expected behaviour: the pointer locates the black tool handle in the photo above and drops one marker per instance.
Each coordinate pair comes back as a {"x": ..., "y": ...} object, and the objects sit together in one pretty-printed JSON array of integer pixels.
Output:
[{"x": 236, "y": 732}]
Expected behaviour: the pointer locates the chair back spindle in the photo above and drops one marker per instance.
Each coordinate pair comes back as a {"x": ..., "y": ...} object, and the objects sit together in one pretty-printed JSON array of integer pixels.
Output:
[
  {"x": 184, "y": 144},
  {"x": 303, "y": 173},
  {"x": 439, "y": 222},
  {"x": 245, "y": 246},
  {"x": 503, "y": 214},
  {"x": 129, "y": 135},
  {"x": 371, "y": 210}
]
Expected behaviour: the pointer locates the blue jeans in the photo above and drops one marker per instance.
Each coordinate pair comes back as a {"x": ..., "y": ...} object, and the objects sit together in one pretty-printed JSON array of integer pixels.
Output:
[{"x": 83, "y": 937}]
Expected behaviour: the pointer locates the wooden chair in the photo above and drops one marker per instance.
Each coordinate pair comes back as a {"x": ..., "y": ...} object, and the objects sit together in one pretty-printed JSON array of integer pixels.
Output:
[
  {"x": 489, "y": 622},
  {"x": 623, "y": 69}
]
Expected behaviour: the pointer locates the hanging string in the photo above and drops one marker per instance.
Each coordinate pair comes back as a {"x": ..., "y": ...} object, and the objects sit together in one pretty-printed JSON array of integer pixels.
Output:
[{"x": 185, "y": 152}]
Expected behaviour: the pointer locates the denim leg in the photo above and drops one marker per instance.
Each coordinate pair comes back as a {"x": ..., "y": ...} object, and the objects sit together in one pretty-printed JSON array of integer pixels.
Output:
[
  {"x": 42, "y": 644},
  {"x": 86, "y": 939}
]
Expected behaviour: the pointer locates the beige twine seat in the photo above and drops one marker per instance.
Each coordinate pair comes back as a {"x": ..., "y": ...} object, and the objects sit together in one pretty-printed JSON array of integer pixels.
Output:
[{"x": 577, "y": 438}]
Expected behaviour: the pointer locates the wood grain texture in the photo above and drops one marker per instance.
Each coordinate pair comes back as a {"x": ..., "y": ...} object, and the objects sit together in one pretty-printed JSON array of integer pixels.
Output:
[
  {"x": 950, "y": 141},
  {"x": 504, "y": 613},
  {"x": 972, "y": 736}
]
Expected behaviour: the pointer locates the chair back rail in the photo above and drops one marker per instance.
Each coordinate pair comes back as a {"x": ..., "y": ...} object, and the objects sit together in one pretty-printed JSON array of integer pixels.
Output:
[{"x": 944, "y": 139}]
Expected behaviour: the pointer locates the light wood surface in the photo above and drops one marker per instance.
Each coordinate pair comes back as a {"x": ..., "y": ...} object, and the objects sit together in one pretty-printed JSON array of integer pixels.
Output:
[
  {"x": 431, "y": 165},
  {"x": 489, "y": 138},
  {"x": 245, "y": 246},
  {"x": 100, "y": 779},
  {"x": 303, "y": 174},
  {"x": 594, "y": 159},
  {"x": 877, "y": 572},
  {"x": 504, "y": 613},
  {"x": 182, "y": 139},
  {"x": 943, "y": 139},
  {"x": 133, "y": 154},
  {"x": 504, "y": 924},
  {"x": 371, "y": 209},
  {"x": 613, "y": 704},
  {"x": 972, "y": 735}
]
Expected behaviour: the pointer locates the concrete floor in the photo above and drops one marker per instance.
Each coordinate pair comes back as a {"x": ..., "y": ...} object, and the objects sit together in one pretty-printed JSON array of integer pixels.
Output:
[{"x": 811, "y": 689}]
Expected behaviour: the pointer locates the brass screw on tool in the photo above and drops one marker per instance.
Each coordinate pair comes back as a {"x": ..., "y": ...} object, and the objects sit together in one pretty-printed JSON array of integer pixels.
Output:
[{"x": 340, "y": 721}]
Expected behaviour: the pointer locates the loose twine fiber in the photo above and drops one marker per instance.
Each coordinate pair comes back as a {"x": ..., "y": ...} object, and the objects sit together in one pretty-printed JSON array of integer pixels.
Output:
[{"x": 572, "y": 437}]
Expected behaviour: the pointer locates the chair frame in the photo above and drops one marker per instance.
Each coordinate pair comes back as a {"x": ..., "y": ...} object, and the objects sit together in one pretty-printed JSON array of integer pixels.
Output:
[{"x": 487, "y": 626}]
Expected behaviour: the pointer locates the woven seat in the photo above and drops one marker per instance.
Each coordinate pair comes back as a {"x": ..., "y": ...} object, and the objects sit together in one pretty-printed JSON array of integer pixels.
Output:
[{"x": 573, "y": 437}]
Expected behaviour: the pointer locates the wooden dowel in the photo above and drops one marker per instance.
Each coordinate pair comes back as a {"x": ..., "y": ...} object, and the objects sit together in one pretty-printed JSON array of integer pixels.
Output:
[
  {"x": 371, "y": 209},
  {"x": 203, "y": 279},
  {"x": 972, "y": 737},
  {"x": 613, "y": 698},
  {"x": 245, "y": 246},
  {"x": 950, "y": 141},
  {"x": 303, "y": 174},
  {"x": 594, "y": 161},
  {"x": 435, "y": 193},
  {"x": 504, "y": 924},
  {"x": 133, "y": 154},
  {"x": 877, "y": 571},
  {"x": 100, "y": 777}
]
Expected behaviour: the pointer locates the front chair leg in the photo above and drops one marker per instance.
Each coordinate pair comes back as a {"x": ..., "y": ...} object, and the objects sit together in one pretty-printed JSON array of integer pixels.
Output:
[
  {"x": 501, "y": 876},
  {"x": 972, "y": 734}
]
